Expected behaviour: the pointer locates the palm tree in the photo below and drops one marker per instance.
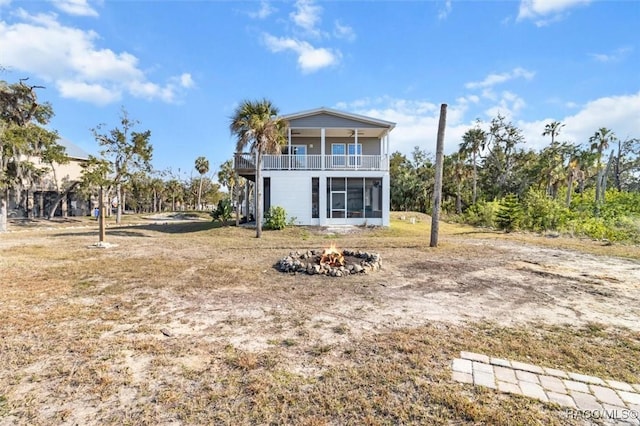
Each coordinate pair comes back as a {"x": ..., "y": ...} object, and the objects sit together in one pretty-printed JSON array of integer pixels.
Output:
[
  {"x": 473, "y": 141},
  {"x": 228, "y": 178},
  {"x": 202, "y": 166},
  {"x": 552, "y": 129},
  {"x": 256, "y": 125},
  {"x": 599, "y": 142}
]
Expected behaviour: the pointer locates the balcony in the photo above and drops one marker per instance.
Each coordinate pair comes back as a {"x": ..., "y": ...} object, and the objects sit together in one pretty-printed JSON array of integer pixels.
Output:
[{"x": 244, "y": 163}]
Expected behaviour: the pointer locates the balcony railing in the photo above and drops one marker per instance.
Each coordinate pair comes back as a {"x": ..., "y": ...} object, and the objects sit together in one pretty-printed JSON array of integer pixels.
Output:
[{"x": 246, "y": 161}]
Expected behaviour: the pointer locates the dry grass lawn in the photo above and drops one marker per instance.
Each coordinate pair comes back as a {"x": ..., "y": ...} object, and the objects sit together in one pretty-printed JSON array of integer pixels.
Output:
[{"x": 189, "y": 323}]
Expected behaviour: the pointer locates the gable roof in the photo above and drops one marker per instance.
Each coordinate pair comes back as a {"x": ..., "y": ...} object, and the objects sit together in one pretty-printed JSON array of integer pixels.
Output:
[
  {"x": 72, "y": 150},
  {"x": 373, "y": 122}
]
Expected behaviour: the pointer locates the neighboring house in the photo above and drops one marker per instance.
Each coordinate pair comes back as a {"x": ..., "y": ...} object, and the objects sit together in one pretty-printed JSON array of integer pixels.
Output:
[
  {"x": 61, "y": 180},
  {"x": 333, "y": 170}
]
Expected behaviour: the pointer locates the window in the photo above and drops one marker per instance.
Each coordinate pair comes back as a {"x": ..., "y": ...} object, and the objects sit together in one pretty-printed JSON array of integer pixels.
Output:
[
  {"x": 355, "y": 153},
  {"x": 338, "y": 155},
  {"x": 354, "y": 197},
  {"x": 373, "y": 197},
  {"x": 315, "y": 197},
  {"x": 298, "y": 157}
]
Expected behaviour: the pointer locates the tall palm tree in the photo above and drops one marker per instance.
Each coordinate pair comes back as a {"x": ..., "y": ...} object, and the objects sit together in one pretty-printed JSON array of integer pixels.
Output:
[
  {"x": 552, "y": 129},
  {"x": 256, "y": 125},
  {"x": 599, "y": 142},
  {"x": 202, "y": 166},
  {"x": 473, "y": 141},
  {"x": 228, "y": 178}
]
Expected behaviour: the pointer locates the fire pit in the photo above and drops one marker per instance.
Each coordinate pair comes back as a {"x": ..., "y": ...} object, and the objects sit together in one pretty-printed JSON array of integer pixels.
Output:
[{"x": 330, "y": 261}]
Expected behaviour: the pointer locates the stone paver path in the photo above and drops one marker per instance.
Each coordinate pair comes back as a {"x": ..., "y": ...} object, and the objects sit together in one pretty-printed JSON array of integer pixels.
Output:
[{"x": 584, "y": 397}]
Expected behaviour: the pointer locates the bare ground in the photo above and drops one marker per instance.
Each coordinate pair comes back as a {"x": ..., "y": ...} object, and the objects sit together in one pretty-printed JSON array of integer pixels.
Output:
[{"x": 166, "y": 300}]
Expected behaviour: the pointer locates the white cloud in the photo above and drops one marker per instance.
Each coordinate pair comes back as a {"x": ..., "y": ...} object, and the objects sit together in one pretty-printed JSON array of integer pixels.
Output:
[
  {"x": 186, "y": 81},
  {"x": 75, "y": 7},
  {"x": 615, "y": 56},
  {"x": 544, "y": 12},
  {"x": 445, "y": 10},
  {"x": 310, "y": 59},
  {"x": 264, "y": 12},
  {"x": 618, "y": 113},
  {"x": 493, "y": 79},
  {"x": 92, "y": 93},
  {"x": 417, "y": 120},
  {"x": 508, "y": 106},
  {"x": 5, "y": 3},
  {"x": 69, "y": 57},
  {"x": 306, "y": 15},
  {"x": 343, "y": 31}
]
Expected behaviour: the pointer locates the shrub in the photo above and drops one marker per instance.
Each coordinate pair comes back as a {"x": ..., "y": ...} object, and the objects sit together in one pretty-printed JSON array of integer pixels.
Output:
[
  {"x": 223, "y": 211},
  {"x": 509, "y": 214},
  {"x": 481, "y": 214},
  {"x": 276, "y": 218},
  {"x": 542, "y": 213}
]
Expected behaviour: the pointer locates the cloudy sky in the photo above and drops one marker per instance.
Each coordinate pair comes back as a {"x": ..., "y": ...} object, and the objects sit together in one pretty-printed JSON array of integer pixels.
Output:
[{"x": 181, "y": 67}]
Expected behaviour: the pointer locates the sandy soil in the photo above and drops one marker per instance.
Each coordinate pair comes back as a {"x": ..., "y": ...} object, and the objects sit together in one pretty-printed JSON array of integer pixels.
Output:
[
  {"x": 479, "y": 279},
  {"x": 500, "y": 281}
]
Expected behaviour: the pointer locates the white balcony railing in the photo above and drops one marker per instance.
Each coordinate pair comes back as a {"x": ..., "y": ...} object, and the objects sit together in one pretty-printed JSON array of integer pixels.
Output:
[{"x": 312, "y": 162}]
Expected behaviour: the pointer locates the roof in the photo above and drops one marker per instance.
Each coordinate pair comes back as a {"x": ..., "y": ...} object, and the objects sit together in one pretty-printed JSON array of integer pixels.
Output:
[
  {"x": 347, "y": 115},
  {"x": 72, "y": 150}
]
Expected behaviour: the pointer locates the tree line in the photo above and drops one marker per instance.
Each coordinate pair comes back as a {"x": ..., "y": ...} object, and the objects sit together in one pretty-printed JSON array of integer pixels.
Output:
[
  {"x": 29, "y": 152},
  {"x": 565, "y": 184}
]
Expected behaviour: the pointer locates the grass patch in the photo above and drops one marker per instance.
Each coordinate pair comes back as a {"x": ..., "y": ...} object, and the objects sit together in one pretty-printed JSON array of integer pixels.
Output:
[{"x": 190, "y": 323}]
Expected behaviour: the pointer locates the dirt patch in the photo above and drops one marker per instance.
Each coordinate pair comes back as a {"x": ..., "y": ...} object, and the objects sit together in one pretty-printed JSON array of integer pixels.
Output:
[{"x": 136, "y": 326}]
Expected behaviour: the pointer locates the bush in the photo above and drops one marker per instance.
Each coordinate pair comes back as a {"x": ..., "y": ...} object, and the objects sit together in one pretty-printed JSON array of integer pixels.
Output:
[
  {"x": 481, "y": 214},
  {"x": 509, "y": 214},
  {"x": 276, "y": 218},
  {"x": 542, "y": 213},
  {"x": 223, "y": 211}
]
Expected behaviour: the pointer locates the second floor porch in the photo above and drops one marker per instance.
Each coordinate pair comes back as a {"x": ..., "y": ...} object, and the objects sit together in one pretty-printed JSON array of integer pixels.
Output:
[{"x": 245, "y": 163}]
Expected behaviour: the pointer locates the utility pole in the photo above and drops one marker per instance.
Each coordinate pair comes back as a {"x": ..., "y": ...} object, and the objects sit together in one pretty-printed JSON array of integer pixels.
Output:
[{"x": 437, "y": 190}]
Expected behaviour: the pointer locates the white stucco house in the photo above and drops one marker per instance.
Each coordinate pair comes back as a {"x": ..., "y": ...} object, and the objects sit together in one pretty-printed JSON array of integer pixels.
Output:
[
  {"x": 57, "y": 179},
  {"x": 334, "y": 169}
]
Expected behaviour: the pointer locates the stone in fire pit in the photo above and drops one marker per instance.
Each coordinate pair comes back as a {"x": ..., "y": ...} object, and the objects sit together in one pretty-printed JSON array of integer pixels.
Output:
[{"x": 310, "y": 262}]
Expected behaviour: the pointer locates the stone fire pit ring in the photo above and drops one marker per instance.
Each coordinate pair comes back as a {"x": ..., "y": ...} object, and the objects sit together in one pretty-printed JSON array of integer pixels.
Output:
[{"x": 308, "y": 262}]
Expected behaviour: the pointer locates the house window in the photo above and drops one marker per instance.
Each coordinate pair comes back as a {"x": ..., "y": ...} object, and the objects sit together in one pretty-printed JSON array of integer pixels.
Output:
[
  {"x": 266, "y": 194},
  {"x": 355, "y": 197},
  {"x": 315, "y": 197},
  {"x": 298, "y": 158},
  {"x": 338, "y": 155},
  {"x": 355, "y": 153},
  {"x": 372, "y": 197}
]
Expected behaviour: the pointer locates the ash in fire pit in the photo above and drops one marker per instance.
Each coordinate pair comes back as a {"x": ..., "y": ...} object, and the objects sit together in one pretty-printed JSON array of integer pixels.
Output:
[{"x": 331, "y": 261}]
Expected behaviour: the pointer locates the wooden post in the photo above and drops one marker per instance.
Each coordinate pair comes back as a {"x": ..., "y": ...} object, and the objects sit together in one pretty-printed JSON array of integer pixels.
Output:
[
  {"x": 101, "y": 216},
  {"x": 437, "y": 190}
]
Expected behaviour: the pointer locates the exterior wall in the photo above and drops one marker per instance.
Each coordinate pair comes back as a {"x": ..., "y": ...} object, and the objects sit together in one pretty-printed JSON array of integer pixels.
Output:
[
  {"x": 328, "y": 121},
  {"x": 292, "y": 191},
  {"x": 65, "y": 173},
  {"x": 36, "y": 201},
  {"x": 370, "y": 146}
]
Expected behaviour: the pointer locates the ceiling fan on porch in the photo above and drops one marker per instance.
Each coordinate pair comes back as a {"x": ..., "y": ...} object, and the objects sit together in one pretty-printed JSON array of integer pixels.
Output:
[{"x": 360, "y": 133}]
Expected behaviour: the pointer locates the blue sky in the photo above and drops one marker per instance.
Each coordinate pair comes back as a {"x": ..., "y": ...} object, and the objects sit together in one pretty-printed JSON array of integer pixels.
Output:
[{"x": 181, "y": 67}]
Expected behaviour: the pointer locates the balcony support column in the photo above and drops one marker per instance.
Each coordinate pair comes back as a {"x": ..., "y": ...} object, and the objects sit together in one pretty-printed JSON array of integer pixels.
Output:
[
  {"x": 355, "y": 148},
  {"x": 322, "y": 151},
  {"x": 289, "y": 145}
]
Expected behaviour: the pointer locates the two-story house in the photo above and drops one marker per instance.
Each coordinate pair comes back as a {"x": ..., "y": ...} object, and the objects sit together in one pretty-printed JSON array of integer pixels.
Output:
[
  {"x": 59, "y": 180},
  {"x": 333, "y": 170}
]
